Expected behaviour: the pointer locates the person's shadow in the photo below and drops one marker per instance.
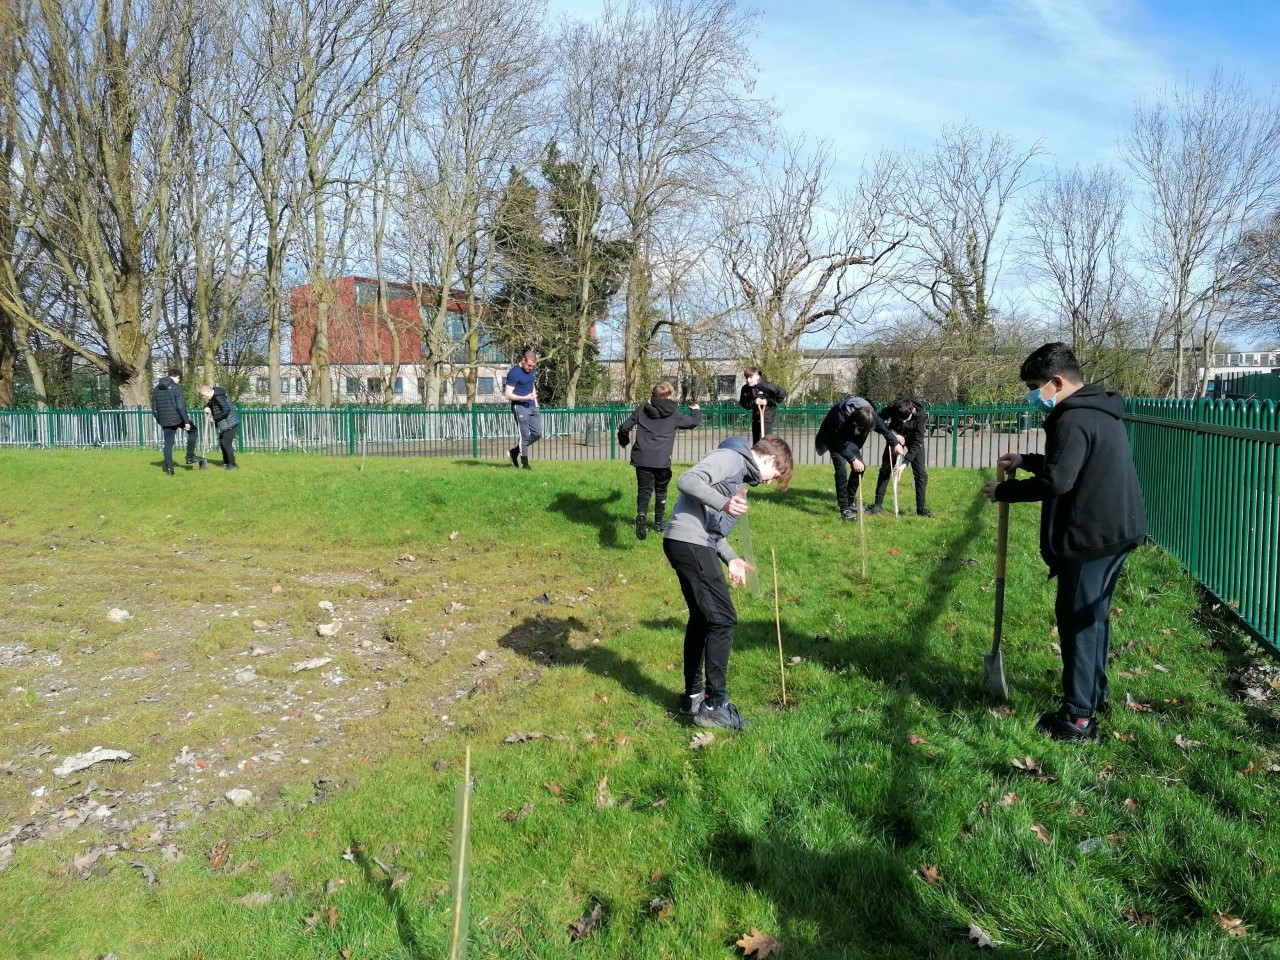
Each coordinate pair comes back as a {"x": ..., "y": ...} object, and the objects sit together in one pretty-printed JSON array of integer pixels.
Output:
[
  {"x": 376, "y": 877},
  {"x": 591, "y": 512}
]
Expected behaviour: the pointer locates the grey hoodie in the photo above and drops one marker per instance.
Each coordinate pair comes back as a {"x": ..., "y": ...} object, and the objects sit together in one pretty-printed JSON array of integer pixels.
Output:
[{"x": 705, "y": 488}]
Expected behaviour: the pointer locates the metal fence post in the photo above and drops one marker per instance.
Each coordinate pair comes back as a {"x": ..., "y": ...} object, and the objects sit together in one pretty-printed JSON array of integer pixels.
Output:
[
  {"x": 475, "y": 432},
  {"x": 351, "y": 429}
]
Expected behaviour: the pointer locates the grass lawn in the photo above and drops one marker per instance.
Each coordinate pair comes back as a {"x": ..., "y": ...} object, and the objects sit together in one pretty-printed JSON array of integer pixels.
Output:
[{"x": 879, "y": 814}]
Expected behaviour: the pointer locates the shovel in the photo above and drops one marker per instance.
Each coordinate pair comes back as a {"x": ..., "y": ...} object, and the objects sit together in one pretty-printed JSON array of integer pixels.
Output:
[{"x": 994, "y": 661}]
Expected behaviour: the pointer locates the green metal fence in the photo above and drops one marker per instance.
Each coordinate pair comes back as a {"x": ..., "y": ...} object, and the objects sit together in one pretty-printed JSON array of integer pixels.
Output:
[
  {"x": 959, "y": 436},
  {"x": 1210, "y": 473}
]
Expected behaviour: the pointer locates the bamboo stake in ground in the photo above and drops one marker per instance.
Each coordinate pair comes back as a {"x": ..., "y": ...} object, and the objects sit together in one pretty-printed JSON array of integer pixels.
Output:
[
  {"x": 461, "y": 854},
  {"x": 862, "y": 528},
  {"x": 897, "y": 475},
  {"x": 777, "y": 621}
]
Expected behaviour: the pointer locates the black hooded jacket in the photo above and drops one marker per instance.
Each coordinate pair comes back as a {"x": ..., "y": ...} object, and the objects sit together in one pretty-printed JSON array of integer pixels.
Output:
[
  {"x": 168, "y": 405},
  {"x": 655, "y": 423},
  {"x": 1092, "y": 503},
  {"x": 772, "y": 393},
  {"x": 840, "y": 433},
  {"x": 222, "y": 410}
]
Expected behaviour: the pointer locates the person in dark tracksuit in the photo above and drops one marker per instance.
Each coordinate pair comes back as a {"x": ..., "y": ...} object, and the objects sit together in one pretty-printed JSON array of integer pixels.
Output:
[
  {"x": 762, "y": 398},
  {"x": 842, "y": 433},
  {"x": 520, "y": 391},
  {"x": 169, "y": 407},
  {"x": 226, "y": 419},
  {"x": 1091, "y": 518},
  {"x": 909, "y": 422},
  {"x": 712, "y": 497},
  {"x": 655, "y": 423}
]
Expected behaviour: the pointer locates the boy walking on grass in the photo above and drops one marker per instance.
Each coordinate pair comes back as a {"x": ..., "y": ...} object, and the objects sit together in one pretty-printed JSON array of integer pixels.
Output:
[
  {"x": 1091, "y": 517},
  {"x": 843, "y": 431},
  {"x": 711, "y": 499},
  {"x": 655, "y": 423}
]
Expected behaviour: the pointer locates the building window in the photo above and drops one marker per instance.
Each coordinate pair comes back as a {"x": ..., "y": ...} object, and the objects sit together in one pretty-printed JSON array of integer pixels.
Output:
[
  {"x": 353, "y": 385},
  {"x": 284, "y": 386},
  {"x": 299, "y": 386},
  {"x": 726, "y": 386},
  {"x": 375, "y": 384},
  {"x": 484, "y": 386},
  {"x": 422, "y": 386},
  {"x": 264, "y": 385},
  {"x": 459, "y": 386},
  {"x": 399, "y": 386}
]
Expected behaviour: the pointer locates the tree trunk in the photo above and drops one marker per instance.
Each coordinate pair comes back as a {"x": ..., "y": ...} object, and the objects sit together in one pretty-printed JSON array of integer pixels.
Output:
[
  {"x": 274, "y": 306},
  {"x": 8, "y": 350}
]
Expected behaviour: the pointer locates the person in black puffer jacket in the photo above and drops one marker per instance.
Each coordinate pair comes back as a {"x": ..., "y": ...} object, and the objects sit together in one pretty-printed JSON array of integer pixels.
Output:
[
  {"x": 909, "y": 421},
  {"x": 225, "y": 420},
  {"x": 655, "y": 424},
  {"x": 169, "y": 407},
  {"x": 1092, "y": 516}
]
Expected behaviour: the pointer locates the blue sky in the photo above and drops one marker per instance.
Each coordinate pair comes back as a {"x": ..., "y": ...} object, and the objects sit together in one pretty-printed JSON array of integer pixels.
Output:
[{"x": 869, "y": 75}]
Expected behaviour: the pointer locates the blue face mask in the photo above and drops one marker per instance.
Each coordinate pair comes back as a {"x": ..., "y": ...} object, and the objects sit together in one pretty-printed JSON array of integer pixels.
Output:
[{"x": 1040, "y": 403}]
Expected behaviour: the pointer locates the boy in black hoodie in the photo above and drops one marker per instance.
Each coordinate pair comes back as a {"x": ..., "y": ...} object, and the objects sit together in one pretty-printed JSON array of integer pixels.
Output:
[
  {"x": 1092, "y": 517},
  {"x": 711, "y": 500},
  {"x": 225, "y": 421},
  {"x": 842, "y": 433},
  {"x": 909, "y": 421},
  {"x": 655, "y": 423},
  {"x": 761, "y": 398}
]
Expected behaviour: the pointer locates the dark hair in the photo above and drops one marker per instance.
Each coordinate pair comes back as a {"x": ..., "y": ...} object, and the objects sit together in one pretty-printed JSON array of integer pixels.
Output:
[
  {"x": 1051, "y": 360},
  {"x": 777, "y": 448},
  {"x": 862, "y": 417},
  {"x": 175, "y": 372},
  {"x": 903, "y": 409},
  {"x": 750, "y": 371}
]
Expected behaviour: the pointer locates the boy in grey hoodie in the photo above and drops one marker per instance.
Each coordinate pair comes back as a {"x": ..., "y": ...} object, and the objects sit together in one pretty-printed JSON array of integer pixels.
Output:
[{"x": 712, "y": 497}]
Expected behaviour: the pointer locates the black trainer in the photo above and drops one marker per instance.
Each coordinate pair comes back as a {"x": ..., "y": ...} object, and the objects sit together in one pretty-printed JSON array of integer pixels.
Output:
[
  {"x": 1060, "y": 726},
  {"x": 514, "y": 454},
  {"x": 690, "y": 702},
  {"x": 657, "y": 524},
  {"x": 199, "y": 462},
  {"x": 230, "y": 466},
  {"x": 169, "y": 471},
  {"x": 926, "y": 512},
  {"x": 874, "y": 509},
  {"x": 524, "y": 463},
  {"x": 642, "y": 528},
  {"x": 848, "y": 514},
  {"x": 724, "y": 715}
]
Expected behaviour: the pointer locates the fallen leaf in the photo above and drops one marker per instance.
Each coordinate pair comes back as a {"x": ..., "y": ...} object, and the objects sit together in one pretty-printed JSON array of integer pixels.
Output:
[
  {"x": 588, "y": 925},
  {"x": 655, "y": 876},
  {"x": 893, "y": 551},
  {"x": 254, "y": 900},
  {"x": 603, "y": 797},
  {"x": 660, "y": 802},
  {"x": 352, "y": 852},
  {"x": 554, "y": 789},
  {"x": 795, "y": 661},
  {"x": 1250, "y": 770},
  {"x": 700, "y": 740},
  {"x": 1040, "y": 832},
  {"x": 1107, "y": 772},
  {"x": 984, "y": 808},
  {"x": 915, "y": 739},
  {"x": 1142, "y": 919},
  {"x": 1026, "y": 764},
  {"x": 1182, "y": 741},
  {"x": 600, "y": 698},
  {"x": 513, "y": 815},
  {"x": 929, "y": 875},
  {"x": 1137, "y": 707},
  {"x": 406, "y": 558},
  {"x": 331, "y": 915},
  {"x": 1001, "y": 713},
  {"x": 523, "y": 737},
  {"x": 980, "y": 938},
  {"x": 1124, "y": 737},
  {"x": 1131, "y": 804},
  {"x": 661, "y": 909},
  {"x": 1233, "y": 925},
  {"x": 1160, "y": 667},
  {"x": 218, "y": 855},
  {"x": 148, "y": 874},
  {"x": 454, "y": 535},
  {"x": 334, "y": 885},
  {"x": 620, "y": 739},
  {"x": 757, "y": 944},
  {"x": 1009, "y": 799}
]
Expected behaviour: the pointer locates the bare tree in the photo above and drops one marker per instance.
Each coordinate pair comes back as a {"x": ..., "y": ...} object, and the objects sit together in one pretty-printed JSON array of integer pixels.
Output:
[
  {"x": 1075, "y": 240},
  {"x": 953, "y": 200},
  {"x": 1209, "y": 162},
  {"x": 668, "y": 85},
  {"x": 801, "y": 257},
  {"x": 1254, "y": 286}
]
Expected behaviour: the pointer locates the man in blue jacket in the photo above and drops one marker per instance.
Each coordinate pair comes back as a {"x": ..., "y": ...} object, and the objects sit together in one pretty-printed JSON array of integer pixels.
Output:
[
  {"x": 521, "y": 392},
  {"x": 169, "y": 407},
  {"x": 1091, "y": 517}
]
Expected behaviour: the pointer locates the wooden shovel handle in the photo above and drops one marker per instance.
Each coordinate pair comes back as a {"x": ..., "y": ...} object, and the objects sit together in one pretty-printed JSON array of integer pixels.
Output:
[{"x": 1002, "y": 529}]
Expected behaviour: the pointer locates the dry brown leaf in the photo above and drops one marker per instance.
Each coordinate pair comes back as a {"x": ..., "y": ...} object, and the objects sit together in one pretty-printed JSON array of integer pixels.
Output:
[
  {"x": 1141, "y": 918},
  {"x": 655, "y": 876},
  {"x": 554, "y": 789},
  {"x": 1041, "y": 834},
  {"x": 331, "y": 915},
  {"x": 454, "y": 535},
  {"x": 1123, "y": 737},
  {"x": 218, "y": 855},
  {"x": 757, "y": 944},
  {"x": 600, "y": 698},
  {"x": 984, "y": 808},
  {"x": 253, "y": 900},
  {"x": 1009, "y": 799},
  {"x": 661, "y": 909},
  {"x": 929, "y": 875},
  {"x": 621, "y": 739},
  {"x": 1026, "y": 764},
  {"x": 523, "y": 737},
  {"x": 1233, "y": 925},
  {"x": 588, "y": 925},
  {"x": 334, "y": 885},
  {"x": 1137, "y": 707},
  {"x": 512, "y": 815},
  {"x": 700, "y": 740},
  {"x": 603, "y": 798},
  {"x": 1250, "y": 770},
  {"x": 980, "y": 938},
  {"x": 915, "y": 739},
  {"x": 1131, "y": 804},
  {"x": 1002, "y": 712},
  {"x": 1184, "y": 742}
]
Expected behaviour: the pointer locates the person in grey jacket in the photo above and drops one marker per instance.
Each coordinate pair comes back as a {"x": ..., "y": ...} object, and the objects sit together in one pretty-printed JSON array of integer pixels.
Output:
[
  {"x": 225, "y": 420},
  {"x": 655, "y": 424},
  {"x": 169, "y": 407},
  {"x": 712, "y": 497}
]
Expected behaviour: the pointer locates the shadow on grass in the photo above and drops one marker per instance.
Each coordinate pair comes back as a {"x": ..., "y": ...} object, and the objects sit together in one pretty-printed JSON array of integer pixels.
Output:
[
  {"x": 377, "y": 878},
  {"x": 591, "y": 512},
  {"x": 545, "y": 640}
]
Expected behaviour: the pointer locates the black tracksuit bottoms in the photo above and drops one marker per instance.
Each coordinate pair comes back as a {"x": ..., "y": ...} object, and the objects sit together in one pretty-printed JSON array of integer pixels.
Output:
[
  {"x": 915, "y": 459},
  {"x": 712, "y": 619},
  {"x": 227, "y": 441},
  {"x": 651, "y": 481},
  {"x": 170, "y": 433},
  {"x": 1083, "y": 612}
]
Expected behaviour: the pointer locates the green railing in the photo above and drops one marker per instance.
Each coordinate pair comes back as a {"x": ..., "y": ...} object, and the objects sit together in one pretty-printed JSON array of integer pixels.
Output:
[
  {"x": 959, "y": 436},
  {"x": 1210, "y": 473}
]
